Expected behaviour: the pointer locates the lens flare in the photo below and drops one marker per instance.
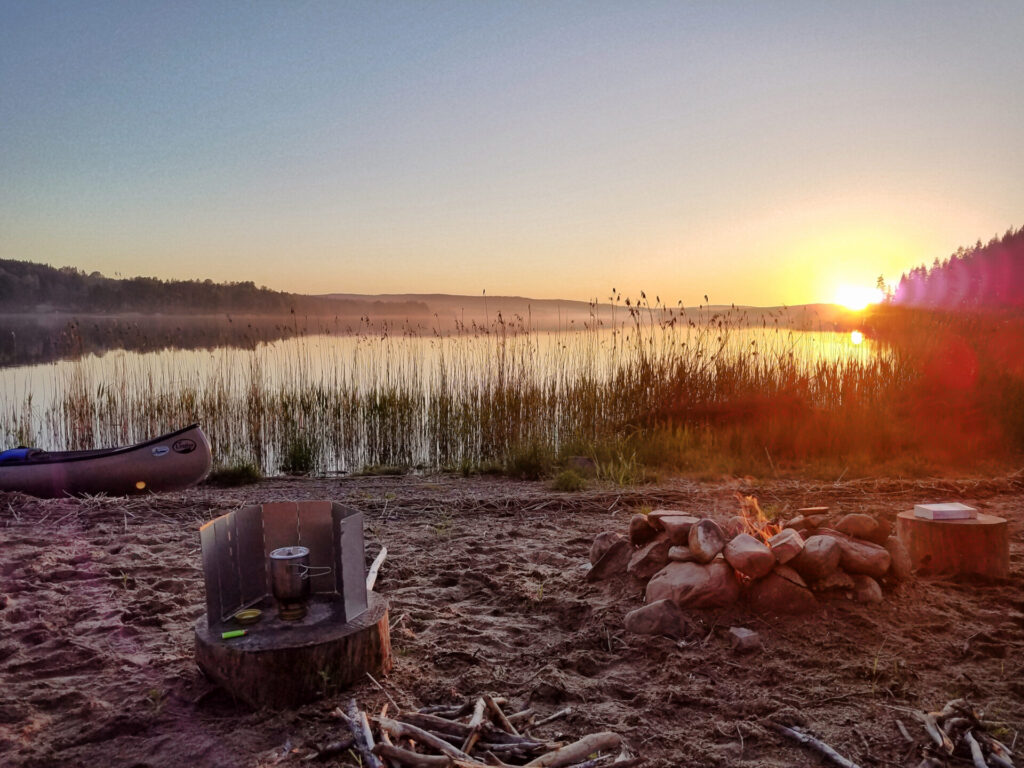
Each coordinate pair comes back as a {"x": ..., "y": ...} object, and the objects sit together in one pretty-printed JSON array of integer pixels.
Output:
[
  {"x": 857, "y": 297},
  {"x": 856, "y": 337}
]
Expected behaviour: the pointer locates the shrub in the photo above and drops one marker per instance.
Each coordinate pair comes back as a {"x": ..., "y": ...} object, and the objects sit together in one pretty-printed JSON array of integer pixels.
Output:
[
  {"x": 568, "y": 480},
  {"x": 300, "y": 456},
  {"x": 528, "y": 463},
  {"x": 240, "y": 473}
]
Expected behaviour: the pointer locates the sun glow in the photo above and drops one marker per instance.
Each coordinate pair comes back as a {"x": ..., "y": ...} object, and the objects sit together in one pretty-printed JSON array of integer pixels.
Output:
[
  {"x": 856, "y": 337},
  {"x": 857, "y": 297}
]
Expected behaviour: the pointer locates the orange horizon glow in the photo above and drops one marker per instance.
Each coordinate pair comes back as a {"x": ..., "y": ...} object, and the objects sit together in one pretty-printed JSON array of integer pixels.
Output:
[{"x": 857, "y": 297}]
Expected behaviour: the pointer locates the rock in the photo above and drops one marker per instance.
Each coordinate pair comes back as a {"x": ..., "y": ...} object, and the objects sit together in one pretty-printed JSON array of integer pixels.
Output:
[
  {"x": 818, "y": 559},
  {"x": 602, "y": 542},
  {"x": 649, "y": 559},
  {"x": 781, "y": 592},
  {"x": 640, "y": 530},
  {"x": 866, "y": 589},
  {"x": 692, "y": 585},
  {"x": 584, "y": 466},
  {"x": 749, "y": 556},
  {"x": 681, "y": 555},
  {"x": 901, "y": 568},
  {"x": 798, "y": 523},
  {"x": 881, "y": 533},
  {"x": 857, "y": 525},
  {"x": 678, "y": 527},
  {"x": 786, "y": 544},
  {"x": 734, "y": 526},
  {"x": 706, "y": 540},
  {"x": 657, "y": 514},
  {"x": 662, "y": 617},
  {"x": 744, "y": 640},
  {"x": 613, "y": 562},
  {"x": 863, "y": 557},
  {"x": 838, "y": 579}
]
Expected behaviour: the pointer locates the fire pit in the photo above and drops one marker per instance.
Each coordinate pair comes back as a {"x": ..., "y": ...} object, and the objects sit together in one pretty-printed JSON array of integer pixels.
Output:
[
  {"x": 318, "y": 628},
  {"x": 689, "y": 561}
]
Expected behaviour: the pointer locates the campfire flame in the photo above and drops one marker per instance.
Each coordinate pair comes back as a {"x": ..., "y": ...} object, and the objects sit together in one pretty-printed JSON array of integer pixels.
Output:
[{"x": 755, "y": 522}]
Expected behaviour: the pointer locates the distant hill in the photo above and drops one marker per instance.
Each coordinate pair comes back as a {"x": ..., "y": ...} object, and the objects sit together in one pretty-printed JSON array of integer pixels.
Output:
[
  {"x": 448, "y": 311},
  {"x": 39, "y": 288}
]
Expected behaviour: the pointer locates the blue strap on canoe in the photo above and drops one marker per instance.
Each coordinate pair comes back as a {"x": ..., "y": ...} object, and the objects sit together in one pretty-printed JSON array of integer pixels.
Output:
[{"x": 14, "y": 455}]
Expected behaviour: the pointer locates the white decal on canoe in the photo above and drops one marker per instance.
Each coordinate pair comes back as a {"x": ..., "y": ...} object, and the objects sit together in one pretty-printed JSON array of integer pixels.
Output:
[{"x": 161, "y": 450}]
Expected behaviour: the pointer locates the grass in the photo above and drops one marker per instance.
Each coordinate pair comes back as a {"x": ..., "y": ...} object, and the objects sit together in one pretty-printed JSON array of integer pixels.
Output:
[
  {"x": 239, "y": 473},
  {"x": 646, "y": 391}
]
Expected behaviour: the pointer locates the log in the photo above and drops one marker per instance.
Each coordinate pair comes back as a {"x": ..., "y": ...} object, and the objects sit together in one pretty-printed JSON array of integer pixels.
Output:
[
  {"x": 979, "y": 546},
  {"x": 578, "y": 750},
  {"x": 280, "y": 664}
]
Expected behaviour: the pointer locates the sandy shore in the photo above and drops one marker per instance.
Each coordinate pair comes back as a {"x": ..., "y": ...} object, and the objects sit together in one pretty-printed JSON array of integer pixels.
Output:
[{"x": 485, "y": 578}]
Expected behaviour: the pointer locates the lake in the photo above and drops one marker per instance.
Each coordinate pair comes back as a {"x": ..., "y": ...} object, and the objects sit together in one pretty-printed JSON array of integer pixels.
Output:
[{"x": 343, "y": 402}]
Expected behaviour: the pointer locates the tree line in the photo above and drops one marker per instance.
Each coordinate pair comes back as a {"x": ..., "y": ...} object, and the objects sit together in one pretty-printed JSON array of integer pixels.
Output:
[
  {"x": 26, "y": 286},
  {"x": 984, "y": 276}
]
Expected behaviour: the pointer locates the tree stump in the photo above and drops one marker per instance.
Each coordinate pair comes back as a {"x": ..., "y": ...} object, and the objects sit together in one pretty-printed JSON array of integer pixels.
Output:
[
  {"x": 977, "y": 546},
  {"x": 281, "y": 664}
]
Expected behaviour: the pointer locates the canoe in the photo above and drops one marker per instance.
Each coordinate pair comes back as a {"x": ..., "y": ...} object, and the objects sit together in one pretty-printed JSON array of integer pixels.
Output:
[{"x": 166, "y": 463}]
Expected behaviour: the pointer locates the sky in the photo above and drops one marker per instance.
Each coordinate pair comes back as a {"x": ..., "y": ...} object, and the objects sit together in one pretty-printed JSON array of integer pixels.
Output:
[{"x": 757, "y": 153}]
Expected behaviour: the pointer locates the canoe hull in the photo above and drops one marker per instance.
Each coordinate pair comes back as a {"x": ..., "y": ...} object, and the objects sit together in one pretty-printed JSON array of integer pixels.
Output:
[{"x": 168, "y": 463}]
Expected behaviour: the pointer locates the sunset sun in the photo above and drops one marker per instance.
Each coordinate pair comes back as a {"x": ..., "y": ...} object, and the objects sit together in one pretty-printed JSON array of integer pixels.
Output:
[{"x": 857, "y": 297}]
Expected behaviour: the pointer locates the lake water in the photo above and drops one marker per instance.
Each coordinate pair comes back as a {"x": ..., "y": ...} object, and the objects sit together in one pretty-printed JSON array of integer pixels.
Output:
[{"x": 424, "y": 392}]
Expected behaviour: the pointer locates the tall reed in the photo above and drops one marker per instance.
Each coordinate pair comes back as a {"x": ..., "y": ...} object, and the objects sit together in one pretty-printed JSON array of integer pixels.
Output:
[{"x": 652, "y": 383}]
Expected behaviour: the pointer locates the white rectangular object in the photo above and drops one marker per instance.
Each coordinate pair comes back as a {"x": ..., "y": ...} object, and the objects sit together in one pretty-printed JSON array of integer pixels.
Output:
[{"x": 950, "y": 511}]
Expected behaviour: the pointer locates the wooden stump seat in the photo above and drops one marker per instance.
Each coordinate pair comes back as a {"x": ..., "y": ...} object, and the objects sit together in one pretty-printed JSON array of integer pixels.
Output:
[
  {"x": 278, "y": 663},
  {"x": 979, "y": 546}
]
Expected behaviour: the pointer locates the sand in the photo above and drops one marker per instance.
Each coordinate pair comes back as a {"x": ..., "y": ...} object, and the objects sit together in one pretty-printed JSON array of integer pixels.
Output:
[{"x": 485, "y": 578}]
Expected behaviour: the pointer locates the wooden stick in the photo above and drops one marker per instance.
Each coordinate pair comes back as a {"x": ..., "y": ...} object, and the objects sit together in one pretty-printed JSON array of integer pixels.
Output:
[
  {"x": 354, "y": 722},
  {"x": 523, "y": 714},
  {"x": 435, "y": 724},
  {"x": 976, "y": 755},
  {"x": 403, "y": 730},
  {"x": 385, "y": 692},
  {"x": 474, "y": 726},
  {"x": 371, "y": 576},
  {"x": 416, "y": 760},
  {"x": 942, "y": 741},
  {"x": 904, "y": 732},
  {"x": 578, "y": 750},
  {"x": 815, "y": 744},
  {"x": 503, "y": 721},
  {"x": 552, "y": 718}
]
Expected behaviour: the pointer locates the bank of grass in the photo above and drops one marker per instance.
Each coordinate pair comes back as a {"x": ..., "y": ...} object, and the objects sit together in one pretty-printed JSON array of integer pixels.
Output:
[{"x": 656, "y": 394}]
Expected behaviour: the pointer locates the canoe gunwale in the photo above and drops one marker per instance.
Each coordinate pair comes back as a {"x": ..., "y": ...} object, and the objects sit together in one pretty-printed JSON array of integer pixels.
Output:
[{"x": 65, "y": 457}]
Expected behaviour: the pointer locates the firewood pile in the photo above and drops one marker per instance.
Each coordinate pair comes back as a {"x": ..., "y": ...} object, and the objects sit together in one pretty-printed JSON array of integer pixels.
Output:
[
  {"x": 478, "y": 733},
  {"x": 958, "y": 733},
  {"x": 689, "y": 561}
]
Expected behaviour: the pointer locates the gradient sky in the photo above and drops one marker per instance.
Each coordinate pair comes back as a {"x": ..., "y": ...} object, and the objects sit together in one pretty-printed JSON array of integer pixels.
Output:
[{"x": 760, "y": 153}]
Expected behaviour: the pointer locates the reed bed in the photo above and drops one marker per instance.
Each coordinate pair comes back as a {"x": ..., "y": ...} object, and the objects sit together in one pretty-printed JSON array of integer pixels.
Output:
[{"x": 653, "y": 388}]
